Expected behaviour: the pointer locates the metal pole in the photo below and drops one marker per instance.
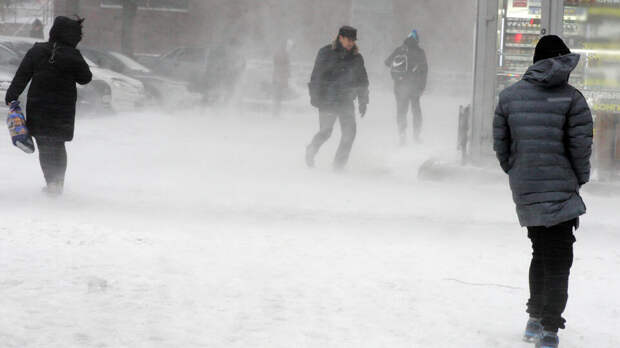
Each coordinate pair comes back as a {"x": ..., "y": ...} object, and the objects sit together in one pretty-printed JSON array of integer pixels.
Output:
[{"x": 485, "y": 65}]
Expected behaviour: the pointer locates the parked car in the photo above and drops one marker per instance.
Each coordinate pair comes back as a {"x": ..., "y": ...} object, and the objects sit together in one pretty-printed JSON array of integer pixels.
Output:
[
  {"x": 9, "y": 61},
  {"x": 182, "y": 63},
  {"x": 108, "y": 91},
  {"x": 159, "y": 89}
]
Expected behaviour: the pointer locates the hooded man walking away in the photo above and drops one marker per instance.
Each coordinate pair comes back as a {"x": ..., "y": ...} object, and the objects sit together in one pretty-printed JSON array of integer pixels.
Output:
[
  {"x": 54, "y": 68},
  {"x": 542, "y": 134},
  {"x": 409, "y": 70},
  {"x": 338, "y": 78}
]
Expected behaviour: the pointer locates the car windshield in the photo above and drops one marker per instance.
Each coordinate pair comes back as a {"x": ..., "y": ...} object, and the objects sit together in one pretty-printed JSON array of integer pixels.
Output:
[{"x": 130, "y": 63}]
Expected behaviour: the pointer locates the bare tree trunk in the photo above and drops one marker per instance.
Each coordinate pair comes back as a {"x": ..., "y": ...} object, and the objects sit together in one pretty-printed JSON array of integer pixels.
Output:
[{"x": 130, "y": 9}]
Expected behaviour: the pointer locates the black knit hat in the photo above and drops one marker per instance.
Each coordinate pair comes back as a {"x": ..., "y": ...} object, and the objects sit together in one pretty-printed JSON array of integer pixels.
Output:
[
  {"x": 550, "y": 46},
  {"x": 348, "y": 31}
]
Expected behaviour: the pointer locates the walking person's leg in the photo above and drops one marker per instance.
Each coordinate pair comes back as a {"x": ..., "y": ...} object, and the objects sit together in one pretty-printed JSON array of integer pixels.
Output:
[
  {"x": 416, "y": 109},
  {"x": 558, "y": 260},
  {"x": 53, "y": 160},
  {"x": 536, "y": 302},
  {"x": 402, "y": 108},
  {"x": 549, "y": 275},
  {"x": 327, "y": 119},
  {"x": 348, "y": 128}
]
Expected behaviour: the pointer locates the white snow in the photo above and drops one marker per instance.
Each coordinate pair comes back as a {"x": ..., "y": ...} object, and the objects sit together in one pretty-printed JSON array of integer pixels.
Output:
[{"x": 204, "y": 228}]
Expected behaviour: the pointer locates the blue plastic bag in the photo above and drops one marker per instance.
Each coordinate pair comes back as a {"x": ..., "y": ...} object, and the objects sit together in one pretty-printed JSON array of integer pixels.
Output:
[{"x": 17, "y": 128}]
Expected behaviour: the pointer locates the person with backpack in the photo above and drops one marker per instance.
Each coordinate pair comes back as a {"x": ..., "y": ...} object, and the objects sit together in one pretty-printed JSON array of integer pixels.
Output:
[
  {"x": 338, "y": 78},
  {"x": 409, "y": 70},
  {"x": 52, "y": 68},
  {"x": 542, "y": 133}
]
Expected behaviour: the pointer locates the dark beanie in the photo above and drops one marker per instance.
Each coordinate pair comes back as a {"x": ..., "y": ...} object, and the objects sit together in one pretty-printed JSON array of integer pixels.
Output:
[
  {"x": 550, "y": 46},
  {"x": 348, "y": 31}
]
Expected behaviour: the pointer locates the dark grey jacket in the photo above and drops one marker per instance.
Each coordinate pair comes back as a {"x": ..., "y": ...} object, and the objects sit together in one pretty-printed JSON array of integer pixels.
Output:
[
  {"x": 338, "y": 77},
  {"x": 542, "y": 134}
]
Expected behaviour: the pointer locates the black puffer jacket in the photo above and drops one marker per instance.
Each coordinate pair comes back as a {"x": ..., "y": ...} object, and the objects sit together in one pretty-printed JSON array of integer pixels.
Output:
[
  {"x": 417, "y": 66},
  {"x": 54, "y": 67},
  {"x": 542, "y": 134},
  {"x": 338, "y": 77}
]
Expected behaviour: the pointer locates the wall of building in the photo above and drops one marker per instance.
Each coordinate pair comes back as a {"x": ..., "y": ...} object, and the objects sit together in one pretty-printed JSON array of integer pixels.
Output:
[{"x": 446, "y": 28}]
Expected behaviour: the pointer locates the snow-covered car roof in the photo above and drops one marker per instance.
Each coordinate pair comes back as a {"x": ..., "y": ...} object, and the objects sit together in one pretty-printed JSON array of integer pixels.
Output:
[{"x": 129, "y": 62}]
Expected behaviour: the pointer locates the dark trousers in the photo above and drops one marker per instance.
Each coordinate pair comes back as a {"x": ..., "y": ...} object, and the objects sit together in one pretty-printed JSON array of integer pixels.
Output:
[
  {"x": 406, "y": 95},
  {"x": 552, "y": 259},
  {"x": 348, "y": 127},
  {"x": 53, "y": 159}
]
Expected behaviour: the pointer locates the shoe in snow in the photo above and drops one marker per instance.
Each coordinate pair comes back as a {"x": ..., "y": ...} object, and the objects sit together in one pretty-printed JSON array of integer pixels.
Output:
[
  {"x": 533, "y": 330},
  {"x": 53, "y": 189},
  {"x": 310, "y": 153},
  {"x": 548, "y": 340}
]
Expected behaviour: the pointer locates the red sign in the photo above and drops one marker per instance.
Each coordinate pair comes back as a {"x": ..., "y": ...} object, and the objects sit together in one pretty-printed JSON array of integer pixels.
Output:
[{"x": 519, "y": 3}]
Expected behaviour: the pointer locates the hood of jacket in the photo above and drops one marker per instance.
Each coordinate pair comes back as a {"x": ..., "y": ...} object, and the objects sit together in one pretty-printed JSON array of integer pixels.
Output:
[
  {"x": 552, "y": 72},
  {"x": 411, "y": 42},
  {"x": 66, "y": 31}
]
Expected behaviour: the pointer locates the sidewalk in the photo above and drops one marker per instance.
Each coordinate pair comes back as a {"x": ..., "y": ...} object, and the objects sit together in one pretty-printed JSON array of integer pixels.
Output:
[{"x": 435, "y": 170}]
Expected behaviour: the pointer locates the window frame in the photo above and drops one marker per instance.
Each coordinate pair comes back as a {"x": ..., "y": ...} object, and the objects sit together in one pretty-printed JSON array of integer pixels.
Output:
[{"x": 148, "y": 7}]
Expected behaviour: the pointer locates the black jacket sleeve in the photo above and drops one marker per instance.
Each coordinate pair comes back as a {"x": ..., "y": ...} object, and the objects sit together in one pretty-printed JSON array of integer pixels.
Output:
[
  {"x": 362, "y": 83},
  {"x": 501, "y": 137},
  {"x": 316, "y": 79},
  {"x": 82, "y": 72},
  {"x": 578, "y": 141},
  {"x": 22, "y": 77},
  {"x": 423, "y": 67},
  {"x": 71, "y": 62}
]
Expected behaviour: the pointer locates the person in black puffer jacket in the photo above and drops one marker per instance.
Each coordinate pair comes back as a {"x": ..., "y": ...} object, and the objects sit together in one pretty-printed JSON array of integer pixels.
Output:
[
  {"x": 338, "y": 78},
  {"x": 542, "y": 133},
  {"x": 54, "y": 67},
  {"x": 409, "y": 70}
]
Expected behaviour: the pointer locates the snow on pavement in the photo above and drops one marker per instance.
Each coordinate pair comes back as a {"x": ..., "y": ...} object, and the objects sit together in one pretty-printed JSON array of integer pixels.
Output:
[{"x": 205, "y": 229}]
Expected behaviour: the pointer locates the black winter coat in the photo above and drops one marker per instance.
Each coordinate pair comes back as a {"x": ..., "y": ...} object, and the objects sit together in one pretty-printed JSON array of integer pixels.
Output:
[
  {"x": 542, "y": 134},
  {"x": 54, "y": 68},
  {"x": 338, "y": 78},
  {"x": 417, "y": 67}
]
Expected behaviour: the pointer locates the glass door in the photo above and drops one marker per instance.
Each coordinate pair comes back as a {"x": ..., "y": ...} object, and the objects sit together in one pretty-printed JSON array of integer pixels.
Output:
[
  {"x": 592, "y": 29},
  {"x": 519, "y": 31}
]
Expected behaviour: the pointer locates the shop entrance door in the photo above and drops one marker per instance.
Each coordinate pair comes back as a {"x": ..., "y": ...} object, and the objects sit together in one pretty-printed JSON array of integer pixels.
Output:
[{"x": 506, "y": 33}]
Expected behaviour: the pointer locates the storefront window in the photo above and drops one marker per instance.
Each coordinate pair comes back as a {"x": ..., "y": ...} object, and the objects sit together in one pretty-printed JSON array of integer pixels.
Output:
[
  {"x": 519, "y": 31},
  {"x": 170, "y": 5},
  {"x": 592, "y": 29}
]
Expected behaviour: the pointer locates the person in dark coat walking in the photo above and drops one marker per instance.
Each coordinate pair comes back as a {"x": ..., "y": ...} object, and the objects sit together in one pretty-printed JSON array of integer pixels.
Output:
[
  {"x": 409, "y": 70},
  {"x": 338, "y": 78},
  {"x": 36, "y": 31},
  {"x": 542, "y": 133},
  {"x": 54, "y": 67}
]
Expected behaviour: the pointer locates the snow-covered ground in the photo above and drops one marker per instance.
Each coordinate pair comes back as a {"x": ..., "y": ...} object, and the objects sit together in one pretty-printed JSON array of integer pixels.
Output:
[{"x": 205, "y": 229}]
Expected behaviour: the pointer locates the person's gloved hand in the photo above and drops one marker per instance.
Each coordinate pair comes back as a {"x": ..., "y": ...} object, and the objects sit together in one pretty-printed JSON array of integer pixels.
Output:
[
  {"x": 14, "y": 105},
  {"x": 363, "y": 109}
]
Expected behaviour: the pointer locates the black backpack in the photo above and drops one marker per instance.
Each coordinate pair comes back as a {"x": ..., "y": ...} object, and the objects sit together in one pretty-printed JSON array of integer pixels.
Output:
[{"x": 400, "y": 64}]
